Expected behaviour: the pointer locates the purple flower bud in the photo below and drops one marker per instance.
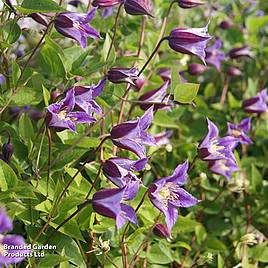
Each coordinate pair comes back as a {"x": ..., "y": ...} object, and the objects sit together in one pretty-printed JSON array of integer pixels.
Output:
[
  {"x": 162, "y": 231},
  {"x": 190, "y": 41},
  {"x": 123, "y": 75},
  {"x": 39, "y": 18},
  {"x": 7, "y": 151},
  {"x": 256, "y": 104},
  {"x": 138, "y": 7},
  {"x": 226, "y": 24},
  {"x": 75, "y": 25},
  {"x": 233, "y": 71},
  {"x": 165, "y": 74},
  {"x": 189, "y": 3},
  {"x": 239, "y": 52},
  {"x": 54, "y": 95},
  {"x": 106, "y": 3},
  {"x": 139, "y": 83},
  {"x": 74, "y": 3},
  {"x": 36, "y": 115},
  {"x": 5, "y": 222},
  {"x": 196, "y": 68}
]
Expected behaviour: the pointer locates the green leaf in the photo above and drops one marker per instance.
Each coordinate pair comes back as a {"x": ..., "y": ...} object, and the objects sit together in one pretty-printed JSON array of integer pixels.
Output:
[
  {"x": 254, "y": 24},
  {"x": 163, "y": 119},
  {"x": 15, "y": 72},
  {"x": 175, "y": 79},
  {"x": 255, "y": 179},
  {"x": 26, "y": 96},
  {"x": 51, "y": 260},
  {"x": 44, "y": 6},
  {"x": 12, "y": 31},
  {"x": 8, "y": 177},
  {"x": 25, "y": 127},
  {"x": 160, "y": 254},
  {"x": 185, "y": 225},
  {"x": 46, "y": 96},
  {"x": 215, "y": 244},
  {"x": 186, "y": 92}
]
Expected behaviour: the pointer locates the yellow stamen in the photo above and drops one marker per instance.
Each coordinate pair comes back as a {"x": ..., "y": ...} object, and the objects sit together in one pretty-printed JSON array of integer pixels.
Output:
[
  {"x": 167, "y": 193},
  {"x": 236, "y": 133}
]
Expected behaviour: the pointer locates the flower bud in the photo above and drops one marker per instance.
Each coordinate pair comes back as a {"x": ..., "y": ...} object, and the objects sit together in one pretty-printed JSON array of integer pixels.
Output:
[
  {"x": 123, "y": 75},
  {"x": 139, "y": 83},
  {"x": 226, "y": 24},
  {"x": 138, "y": 7},
  {"x": 239, "y": 52},
  {"x": 162, "y": 231},
  {"x": 106, "y": 3},
  {"x": 39, "y": 18},
  {"x": 189, "y": 3},
  {"x": 233, "y": 71},
  {"x": 7, "y": 151},
  {"x": 196, "y": 68}
]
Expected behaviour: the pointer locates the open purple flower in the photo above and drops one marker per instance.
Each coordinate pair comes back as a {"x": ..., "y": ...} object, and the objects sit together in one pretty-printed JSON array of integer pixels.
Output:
[
  {"x": 157, "y": 97},
  {"x": 123, "y": 75},
  {"x": 138, "y": 7},
  {"x": 6, "y": 224},
  {"x": 166, "y": 194},
  {"x": 239, "y": 131},
  {"x": 132, "y": 135},
  {"x": 120, "y": 172},
  {"x": 214, "y": 55},
  {"x": 85, "y": 95},
  {"x": 256, "y": 104},
  {"x": 61, "y": 115},
  {"x": 75, "y": 25},
  {"x": 213, "y": 147},
  {"x": 190, "y": 41},
  {"x": 109, "y": 203},
  {"x": 224, "y": 167}
]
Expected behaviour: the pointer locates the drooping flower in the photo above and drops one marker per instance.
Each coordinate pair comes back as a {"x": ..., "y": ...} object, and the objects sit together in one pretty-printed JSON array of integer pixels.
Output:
[
  {"x": 123, "y": 75},
  {"x": 256, "y": 104},
  {"x": 75, "y": 25},
  {"x": 190, "y": 41},
  {"x": 189, "y": 3},
  {"x": 138, "y": 7},
  {"x": 106, "y": 3},
  {"x": 162, "y": 138},
  {"x": 212, "y": 147},
  {"x": 120, "y": 172},
  {"x": 6, "y": 224},
  {"x": 39, "y": 18},
  {"x": 224, "y": 167},
  {"x": 157, "y": 97},
  {"x": 239, "y": 52},
  {"x": 132, "y": 135},
  {"x": 7, "y": 151},
  {"x": 239, "y": 131},
  {"x": 162, "y": 231},
  {"x": 109, "y": 203},
  {"x": 166, "y": 194},
  {"x": 61, "y": 115},
  {"x": 196, "y": 69},
  {"x": 214, "y": 55},
  {"x": 85, "y": 95},
  {"x": 233, "y": 71}
]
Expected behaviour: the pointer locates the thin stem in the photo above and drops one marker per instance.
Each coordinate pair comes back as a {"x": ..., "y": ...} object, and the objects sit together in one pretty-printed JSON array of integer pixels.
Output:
[
  {"x": 115, "y": 30},
  {"x": 152, "y": 55},
  {"x": 24, "y": 67},
  {"x": 142, "y": 34},
  {"x": 94, "y": 182},
  {"x": 38, "y": 156},
  {"x": 224, "y": 92},
  {"x": 49, "y": 158}
]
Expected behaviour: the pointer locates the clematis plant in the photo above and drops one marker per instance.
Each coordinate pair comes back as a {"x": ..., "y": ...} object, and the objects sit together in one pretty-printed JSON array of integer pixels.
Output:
[
  {"x": 257, "y": 104},
  {"x": 138, "y": 7},
  {"x": 214, "y": 55}
]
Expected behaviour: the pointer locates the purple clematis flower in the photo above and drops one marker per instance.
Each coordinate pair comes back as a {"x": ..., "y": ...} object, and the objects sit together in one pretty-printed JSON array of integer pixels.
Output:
[
  {"x": 123, "y": 75},
  {"x": 214, "y": 55},
  {"x": 138, "y": 7},
  {"x": 6, "y": 224},
  {"x": 120, "y": 172},
  {"x": 106, "y": 3},
  {"x": 166, "y": 194},
  {"x": 196, "y": 69},
  {"x": 189, "y": 3},
  {"x": 132, "y": 135},
  {"x": 190, "y": 41},
  {"x": 239, "y": 52},
  {"x": 109, "y": 203},
  {"x": 7, "y": 151},
  {"x": 85, "y": 95},
  {"x": 162, "y": 231},
  {"x": 233, "y": 71},
  {"x": 107, "y": 12},
  {"x": 239, "y": 131},
  {"x": 157, "y": 97},
  {"x": 75, "y": 25},
  {"x": 214, "y": 148},
  {"x": 40, "y": 18},
  {"x": 162, "y": 138},
  {"x": 61, "y": 115},
  {"x": 256, "y": 104},
  {"x": 224, "y": 167}
]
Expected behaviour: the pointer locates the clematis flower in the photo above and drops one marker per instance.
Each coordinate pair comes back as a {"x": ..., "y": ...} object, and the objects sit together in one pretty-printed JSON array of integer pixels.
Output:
[
  {"x": 239, "y": 52},
  {"x": 239, "y": 131},
  {"x": 138, "y": 7},
  {"x": 256, "y": 104},
  {"x": 155, "y": 96},
  {"x": 132, "y": 135},
  {"x": 214, "y": 55},
  {"x": 7, "y": 151},
  {"x": 162, "y": 231},
  {"x": 189, "y": 3},
  {"x": 75, "y": 25},
  {"x": 233, "y": 71},
  {"x": 6, "y": 224},
  {"x": 61, "y": 115},
  {"x": 123, "y": 75},
  {"x": 39, "y": 18},
  {"x": 162, "y": 138},
  {"x": 196, "y": 68},
  {"x": 120, "y": 172},
  {"x": 213, "y": 147},
  {"x": 223, "y": 167},
  {"x": 85, "y": 95},
  {"x": 109, "y": 203},
  {"x": 106, "y": 3},
  {"x": 166, "y": 194},
  {"x": 190, "y": 41},
  {"x": 165, "y": 74}
]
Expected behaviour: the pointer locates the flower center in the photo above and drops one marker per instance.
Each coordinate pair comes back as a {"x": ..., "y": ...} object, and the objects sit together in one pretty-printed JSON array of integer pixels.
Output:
[
  {"x": 168, "y": 193},
  {"x": 78, "y": 26},
  {"x": 215, "y": 148},
  {"x": 222, "y": 164},
  {"x": 62, "y": 115},
  {"x": 236, "y": 133}
]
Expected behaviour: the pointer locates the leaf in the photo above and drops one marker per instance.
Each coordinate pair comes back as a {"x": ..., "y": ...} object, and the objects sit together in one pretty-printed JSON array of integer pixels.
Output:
[
  {"x": 51, "y": 260},
  {"x": 255, "y": 179},
  {"x": 46, "y": 96},
  {"x": 215, "y": 244},
  {"x": 254, "y": 24},
  {"x": 162, "y": 119},
  {"x": 8, "y": 177},
  {"x": 160, "y": 254},
  {"x": 25, "y": 127},
  {"x": 185, "y": 225},
  {"x": 12, "y": 31},
  {"x": 175, "y": 79},
  {"x": 16, "y": 72},
  {"x": 186, "y": 92},
  {"x": 44, "y": 6},
  {"x": 26, "y": 96}
]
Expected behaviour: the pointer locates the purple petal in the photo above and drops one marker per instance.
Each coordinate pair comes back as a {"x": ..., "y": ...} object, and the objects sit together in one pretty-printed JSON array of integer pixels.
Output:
[{"x": 6, "y": 224}]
